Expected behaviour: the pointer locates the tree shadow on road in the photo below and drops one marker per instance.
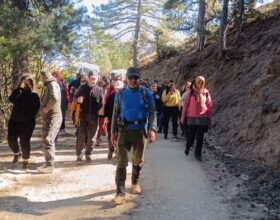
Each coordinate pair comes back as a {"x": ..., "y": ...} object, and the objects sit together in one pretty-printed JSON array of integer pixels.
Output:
[{"x": 21, "y": 205}]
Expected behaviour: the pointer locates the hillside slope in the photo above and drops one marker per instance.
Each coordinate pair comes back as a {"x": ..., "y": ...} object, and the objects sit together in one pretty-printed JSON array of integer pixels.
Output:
[{"x": 245, "y": 88}]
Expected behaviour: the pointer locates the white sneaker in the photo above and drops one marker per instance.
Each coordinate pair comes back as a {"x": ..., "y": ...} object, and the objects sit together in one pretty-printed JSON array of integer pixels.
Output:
[{"x": 45, "y": 169}]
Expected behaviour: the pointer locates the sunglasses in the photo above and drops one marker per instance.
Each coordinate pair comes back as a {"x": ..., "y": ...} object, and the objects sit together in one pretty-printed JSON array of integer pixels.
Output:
[{"x": 133, "y": 77}]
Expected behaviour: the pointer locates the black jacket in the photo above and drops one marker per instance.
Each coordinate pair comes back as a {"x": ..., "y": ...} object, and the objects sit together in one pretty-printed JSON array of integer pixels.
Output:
[
  {"x": 26, "y": 105},
  {"x": 109, "y": 106},
  {"x": 91, "y": 105}
]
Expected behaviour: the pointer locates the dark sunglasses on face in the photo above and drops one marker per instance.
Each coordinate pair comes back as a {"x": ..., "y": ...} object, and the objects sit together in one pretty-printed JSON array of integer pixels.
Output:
[{"x": 133, "y": 77}]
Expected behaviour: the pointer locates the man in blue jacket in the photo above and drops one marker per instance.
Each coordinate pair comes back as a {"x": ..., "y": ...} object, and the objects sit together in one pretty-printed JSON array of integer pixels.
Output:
[{"x": 134, "y": 112}]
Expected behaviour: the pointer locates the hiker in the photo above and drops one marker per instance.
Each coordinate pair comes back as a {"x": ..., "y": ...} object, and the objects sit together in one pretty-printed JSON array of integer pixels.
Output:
[
  {"x": 158, "y": 103},
  {"x": 182, "y": 102},
  {"x": 75, "y": 84},
  {"x": 89, "y": 96},
  {"x": 197, "y": 112},
  {"x": 52, "y": 119},
  {"x": 171, "y": 101},
  {"x": 26, "y": 104},
  {"x": 74, "y": 110},
  {"x": 102, "y": 130},
  {"x": 108, "y": 111},
  {"x": 134, "y": 109},
  {"x": 65, "y": 99}
]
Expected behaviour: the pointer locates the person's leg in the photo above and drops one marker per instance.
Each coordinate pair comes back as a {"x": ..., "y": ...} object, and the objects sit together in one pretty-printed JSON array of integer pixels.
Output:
[
  {"x": 92, "y": 131},
  {"x": 190, "y": 138},
  {"x": 111, "y": 147},
  {"x": 81, "y": 136},
  {"x": 174, "y": 115},
  {"x": 124, "y": 146},
  {"x": 139, "y": 146},
  {"x": 13, "y": 134},
  {"x": 51, "y": 128},
  {"x": 167, "y": 115},
  {"x": 26, "y": 131},
  {"x": 199, "y": 142}
]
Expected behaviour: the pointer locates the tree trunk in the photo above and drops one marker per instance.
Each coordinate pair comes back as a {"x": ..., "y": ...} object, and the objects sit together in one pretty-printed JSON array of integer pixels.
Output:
[
  {"x": 136, "y": 42},
  {"x": 201, "y": 26},
  {"x": 223, "y": 24},
  {"x": 239, "y": 18},
  {"x": 20, "y": 67}
]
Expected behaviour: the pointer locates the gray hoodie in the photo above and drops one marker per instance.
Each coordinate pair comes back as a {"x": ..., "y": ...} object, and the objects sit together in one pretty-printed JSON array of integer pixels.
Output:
[{"x": 52, "y": 96}]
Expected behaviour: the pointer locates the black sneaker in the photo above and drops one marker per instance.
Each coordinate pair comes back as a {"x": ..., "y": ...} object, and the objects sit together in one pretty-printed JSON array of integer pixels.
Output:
[
  {"x": 16, "y": 158},
  {"x": 187, "y": 151},
  {"x": 88, "y": 158},
  {"x": 198, "y": 158},
  {"x": 24, "y": 165}
]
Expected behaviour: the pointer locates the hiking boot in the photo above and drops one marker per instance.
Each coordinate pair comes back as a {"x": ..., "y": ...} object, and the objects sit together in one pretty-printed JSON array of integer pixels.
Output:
[
  {"x": 119, "y": 200},
  {"x": 187, "y": 151},
  {"x": 88, "y": 158},
  {"x": 45, "y": 169},
  {"x": 16, "y": 157},
  {"x": 198, "y": 158},
  {"x": 165, "y": 136},
  {"x": 80, "y": 158},
  {"x": 110, "y": 155},
  {"x": 24, "y": 165},
  {"x": 136, "y": 189}
]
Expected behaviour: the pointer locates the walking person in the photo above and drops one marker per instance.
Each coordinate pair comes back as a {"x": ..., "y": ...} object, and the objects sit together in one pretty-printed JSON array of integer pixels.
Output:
[
  {"x": 26, "y": 104},
  {"x": 197, "y": 111},
  {"x": 171, "y": 101},
  {"x": 52, "y": 119},
  {"x": 89, "y": 96},
  {"x": 158, "y": 103},
  {"x": 182, "y": 102},
  {"x": 65, "y": 99},
  {"x": 134, "y": 110},
  {"x": 109, "y": 107}
]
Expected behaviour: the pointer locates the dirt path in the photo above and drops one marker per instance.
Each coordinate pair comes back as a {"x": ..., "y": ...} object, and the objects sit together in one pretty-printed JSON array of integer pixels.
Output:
[{"x": 174, "y": 187}]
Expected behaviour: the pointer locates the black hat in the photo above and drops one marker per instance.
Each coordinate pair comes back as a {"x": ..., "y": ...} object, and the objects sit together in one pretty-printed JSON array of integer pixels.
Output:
[
  {"x": 133, "y": 71},
  {"x": 93, "y": 74}
]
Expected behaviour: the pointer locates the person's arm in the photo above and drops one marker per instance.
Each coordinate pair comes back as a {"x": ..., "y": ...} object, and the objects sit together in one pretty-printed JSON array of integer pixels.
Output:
[
  {"x": 178, "y": 99},
  {"x": 13, "y": 98},
  {"x": 185, "y": 108},
  {"x": 152, "y": 111},
  {"x": 54, "y": 95},
  {"x": 35, "y": 103},
  {"x": 114, "y": 123},
  {"x": 165, "y": 97}
]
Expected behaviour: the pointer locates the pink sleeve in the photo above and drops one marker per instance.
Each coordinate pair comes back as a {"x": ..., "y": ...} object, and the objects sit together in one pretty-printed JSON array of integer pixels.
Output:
[
  {"x": 185, "y": 107},
  {"x": 209, "y": 108}
]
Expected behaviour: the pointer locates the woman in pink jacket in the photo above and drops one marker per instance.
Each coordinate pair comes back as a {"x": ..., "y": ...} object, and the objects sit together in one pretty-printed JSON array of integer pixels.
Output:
[{"x": 197, "y": 113}]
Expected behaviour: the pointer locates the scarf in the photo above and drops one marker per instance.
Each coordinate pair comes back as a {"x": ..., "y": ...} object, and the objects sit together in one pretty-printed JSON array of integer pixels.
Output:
[{"x": 199, "y": 92}]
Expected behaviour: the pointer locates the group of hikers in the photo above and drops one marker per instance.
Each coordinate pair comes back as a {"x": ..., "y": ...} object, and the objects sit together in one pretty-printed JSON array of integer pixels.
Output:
[{"x": 131, "y": 111}]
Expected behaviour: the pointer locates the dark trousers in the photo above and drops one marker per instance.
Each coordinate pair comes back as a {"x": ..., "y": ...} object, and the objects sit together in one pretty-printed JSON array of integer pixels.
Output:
[
  {"x": 87, "y": 133},
  {"x": 195, "y": 132},
  {"x": 23, "y": 131},
  {"x": 170, "y": 112},
  {"x": 110, "y": 144}
]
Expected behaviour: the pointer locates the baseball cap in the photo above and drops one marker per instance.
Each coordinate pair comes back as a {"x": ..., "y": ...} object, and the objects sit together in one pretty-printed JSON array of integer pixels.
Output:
[
  {"x": 93, "y": 74},
  {"x": 133, "y": 71}
]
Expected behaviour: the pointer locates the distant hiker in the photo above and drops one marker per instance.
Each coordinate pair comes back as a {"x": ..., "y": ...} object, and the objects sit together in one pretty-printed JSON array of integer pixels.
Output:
[
  {"x": 26, "y": 104},
  {"x": 109, "y": 107},
  {"x": 187, "y": 88},
  {"x": 52, "y": 119},
  {"x": 102, "y": 130},
  {"x": 90, "y": 97},
  {"x": 197, "y": 111},
  {"x": 171, "y": 101},
  {"x": 134, "y": 109},
  {"x": 74, "y": 85},
  {"x": 158, "y": 103},
  {"x": 75, "y": 107},
  {"x": 65, "y": 99}
]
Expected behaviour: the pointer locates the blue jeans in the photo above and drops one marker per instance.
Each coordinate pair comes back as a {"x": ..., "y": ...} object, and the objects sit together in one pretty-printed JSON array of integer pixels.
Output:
[{"x": 159, "y": 120}]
